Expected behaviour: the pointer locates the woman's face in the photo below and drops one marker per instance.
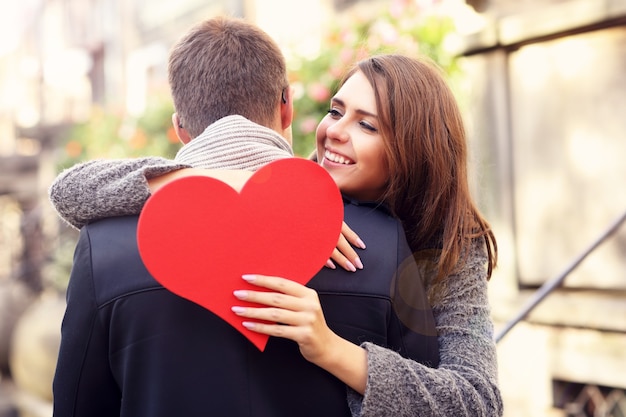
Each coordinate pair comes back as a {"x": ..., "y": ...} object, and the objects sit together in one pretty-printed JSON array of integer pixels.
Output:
[{"x": 349, "y": 145}]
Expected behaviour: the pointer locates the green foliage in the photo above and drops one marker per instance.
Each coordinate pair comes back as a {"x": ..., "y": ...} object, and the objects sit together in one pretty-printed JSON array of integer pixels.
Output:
[
  {"x": 114, "y": 135},
  {"x": 110, "y": 134},
  {"x": 401, "y": 28}
]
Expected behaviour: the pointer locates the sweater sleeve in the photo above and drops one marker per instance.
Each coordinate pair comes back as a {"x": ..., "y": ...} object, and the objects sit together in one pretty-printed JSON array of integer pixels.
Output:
[
  {"x": 465, "y": 383},
  {"x": 106, "y": 188}
]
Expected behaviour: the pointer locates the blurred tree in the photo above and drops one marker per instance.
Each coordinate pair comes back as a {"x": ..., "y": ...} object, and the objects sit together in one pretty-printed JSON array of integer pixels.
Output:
[
  {"x": 402, "y": 27},
  {"x": 405, "y": 26},
  {"x": 110, "y": 134}
]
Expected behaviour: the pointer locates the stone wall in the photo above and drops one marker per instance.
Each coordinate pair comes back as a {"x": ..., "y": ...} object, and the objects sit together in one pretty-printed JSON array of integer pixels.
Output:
[{"x": 547, "y": 88}]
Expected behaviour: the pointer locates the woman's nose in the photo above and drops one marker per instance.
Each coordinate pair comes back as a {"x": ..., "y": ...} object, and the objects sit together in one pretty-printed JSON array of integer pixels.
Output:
[{"x": 338, "y": 131}]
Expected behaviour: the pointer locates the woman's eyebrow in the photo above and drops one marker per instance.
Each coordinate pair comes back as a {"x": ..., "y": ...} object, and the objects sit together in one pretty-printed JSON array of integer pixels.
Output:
[
  {"x": 341, "y": 103},
  {"x": 337, "y": 101}
]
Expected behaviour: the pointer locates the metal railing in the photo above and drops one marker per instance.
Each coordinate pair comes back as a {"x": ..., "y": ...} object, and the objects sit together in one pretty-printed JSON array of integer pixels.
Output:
[
  {"x": 551, "y": 285},
  {"x": 596, "y": 401}
]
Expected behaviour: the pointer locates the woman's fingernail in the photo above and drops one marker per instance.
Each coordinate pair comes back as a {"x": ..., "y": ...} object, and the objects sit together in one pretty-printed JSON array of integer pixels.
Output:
[
  {"x": 350, "y": 266},
  {"x": 241, "y": 294},
  {"x": 249, "y": 277},
  {"x": 238, "y": 309},
  {"x": 360, "y": 243},
  {"x": 330, "y": 264},
  {"x": 248, "y": 324},
  {"x": 358, "y": 263}
]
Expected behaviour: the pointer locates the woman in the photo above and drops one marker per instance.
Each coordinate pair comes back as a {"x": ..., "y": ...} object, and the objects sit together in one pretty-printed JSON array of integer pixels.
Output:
[{"x": 394, "y": 136}]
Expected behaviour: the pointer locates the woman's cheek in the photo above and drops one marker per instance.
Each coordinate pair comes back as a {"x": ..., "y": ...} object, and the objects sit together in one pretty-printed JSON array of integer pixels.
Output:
[
  {"x": 320, "y": 137},
  {"x": 320, "y": 133}
]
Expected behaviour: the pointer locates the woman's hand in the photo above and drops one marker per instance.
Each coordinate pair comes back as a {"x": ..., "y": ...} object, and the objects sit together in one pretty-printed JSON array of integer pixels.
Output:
[
  {"x": 296, "y": 307},
  {"x": 294, "y": 312},
  {"x": 344, "y": 254}
]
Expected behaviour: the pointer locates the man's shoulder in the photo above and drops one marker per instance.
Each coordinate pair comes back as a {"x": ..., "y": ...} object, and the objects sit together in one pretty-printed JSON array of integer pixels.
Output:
[
  {"x": 116, "y": 264},
  {"x": 112, "y": 236},
  {"x": 127, "y": 223},
  {"x": 371, "y": 217},
  {"x": 380, "y": 230}
]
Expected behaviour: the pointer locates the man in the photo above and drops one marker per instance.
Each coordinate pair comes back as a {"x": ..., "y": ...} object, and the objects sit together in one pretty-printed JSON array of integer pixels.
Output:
[{"x": 132, "y": 348}]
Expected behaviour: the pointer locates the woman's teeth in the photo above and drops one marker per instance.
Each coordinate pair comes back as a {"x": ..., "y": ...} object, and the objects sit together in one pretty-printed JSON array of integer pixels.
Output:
[{"x": 337, "y": 158}]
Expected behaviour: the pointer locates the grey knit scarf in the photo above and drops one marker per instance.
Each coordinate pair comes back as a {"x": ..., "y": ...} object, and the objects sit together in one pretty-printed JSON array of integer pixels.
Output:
[{"x": 234, "y": 142}]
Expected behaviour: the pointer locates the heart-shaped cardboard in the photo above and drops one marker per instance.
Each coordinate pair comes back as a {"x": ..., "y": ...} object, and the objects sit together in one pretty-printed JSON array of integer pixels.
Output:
[{"x": 197, "y": 236}]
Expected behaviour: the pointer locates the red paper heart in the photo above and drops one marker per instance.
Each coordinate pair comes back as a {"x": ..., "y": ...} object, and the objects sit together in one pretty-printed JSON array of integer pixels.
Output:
[{"x": 197, "y": 236}]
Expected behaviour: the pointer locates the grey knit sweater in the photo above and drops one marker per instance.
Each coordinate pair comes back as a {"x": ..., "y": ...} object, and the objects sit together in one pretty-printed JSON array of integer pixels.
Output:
[{"x": 464, "y": 384}]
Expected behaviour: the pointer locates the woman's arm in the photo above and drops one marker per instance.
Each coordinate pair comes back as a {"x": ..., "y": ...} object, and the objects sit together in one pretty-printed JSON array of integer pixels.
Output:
[
  {"x": 384, "y": 383},
  {"x": 104, "y": 188},
  {"x": 294, "y": 312},
  {"x": 120, "y": 187},
  {"x": 465, "y": 383}
]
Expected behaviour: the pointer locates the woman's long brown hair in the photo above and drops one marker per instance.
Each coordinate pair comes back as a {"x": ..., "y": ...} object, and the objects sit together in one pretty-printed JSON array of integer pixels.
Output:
[{"x": 426, "y": 147}]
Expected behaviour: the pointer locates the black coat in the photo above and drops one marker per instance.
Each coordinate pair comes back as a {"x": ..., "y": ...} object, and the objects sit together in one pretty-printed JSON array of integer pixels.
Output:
[{"x": 131, "y": 348}]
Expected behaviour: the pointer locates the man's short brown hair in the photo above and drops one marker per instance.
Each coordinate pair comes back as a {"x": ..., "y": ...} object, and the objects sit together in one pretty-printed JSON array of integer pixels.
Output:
[{"x": 226, "y": 66}]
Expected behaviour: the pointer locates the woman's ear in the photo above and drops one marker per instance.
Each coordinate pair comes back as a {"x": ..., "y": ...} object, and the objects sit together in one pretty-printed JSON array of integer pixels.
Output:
[{"x": 181, "y": 132}]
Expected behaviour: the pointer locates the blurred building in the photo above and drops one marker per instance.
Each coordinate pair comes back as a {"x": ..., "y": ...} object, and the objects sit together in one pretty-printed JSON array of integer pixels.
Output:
[
  {"x": 60, "y": 59},
  {"x": 547, "y": 87},
  {"x": 546, "y": 80}
]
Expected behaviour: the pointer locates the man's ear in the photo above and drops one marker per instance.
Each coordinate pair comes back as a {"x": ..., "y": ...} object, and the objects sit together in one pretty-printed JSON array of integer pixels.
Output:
[
  {"x": 181, "y": 132},
  {"x": 286, "y": 108}
]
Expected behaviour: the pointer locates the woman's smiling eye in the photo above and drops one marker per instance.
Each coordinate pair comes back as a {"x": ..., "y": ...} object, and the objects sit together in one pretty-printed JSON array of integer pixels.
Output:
[
  {"x": 368, "y": 126},
  {"x": 334, "y": 113},
  {"x": 337, "y": 114}
]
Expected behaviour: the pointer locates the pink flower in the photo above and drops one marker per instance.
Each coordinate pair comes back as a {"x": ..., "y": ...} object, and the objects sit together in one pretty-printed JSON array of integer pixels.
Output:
[
  {"x": 319, "y": 92},
  {"x": 388, "y": 34},
  {"x": 346, "y": 55},
  {"x": 347, "y": 36},
  {"x": 361, "y": 54},
  {"x": 308, "y": 125},
  {"x": 336, "y": 72},
  {"x": 398, "y": 7}
]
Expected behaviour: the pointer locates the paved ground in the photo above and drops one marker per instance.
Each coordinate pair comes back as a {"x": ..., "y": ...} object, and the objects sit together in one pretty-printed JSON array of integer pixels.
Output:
[{"x": 7, "y": 407}]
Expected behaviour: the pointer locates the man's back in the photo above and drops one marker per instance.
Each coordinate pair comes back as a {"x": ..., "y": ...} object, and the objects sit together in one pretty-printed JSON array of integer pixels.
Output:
[
  {"x": 132, "y": 348},
  {"x": 158, "y": 353}
]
